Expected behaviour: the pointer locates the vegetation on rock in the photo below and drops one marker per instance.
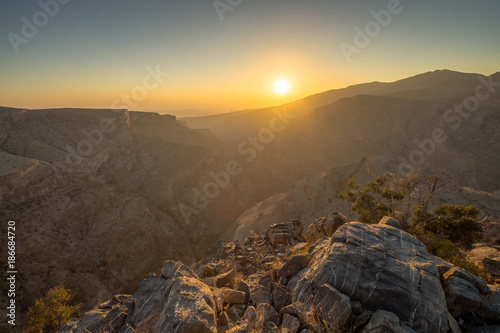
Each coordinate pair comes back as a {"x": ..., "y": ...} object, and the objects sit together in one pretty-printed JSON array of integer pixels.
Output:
[{"x": 51, "y": 311}]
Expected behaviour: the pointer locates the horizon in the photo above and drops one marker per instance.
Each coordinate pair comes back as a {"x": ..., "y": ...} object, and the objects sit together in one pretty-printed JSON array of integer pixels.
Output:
[{"x": 212, "y": 57}]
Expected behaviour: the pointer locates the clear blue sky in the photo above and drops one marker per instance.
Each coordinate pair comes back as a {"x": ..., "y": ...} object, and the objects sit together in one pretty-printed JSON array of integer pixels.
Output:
[{"x": 92, "y": 52}]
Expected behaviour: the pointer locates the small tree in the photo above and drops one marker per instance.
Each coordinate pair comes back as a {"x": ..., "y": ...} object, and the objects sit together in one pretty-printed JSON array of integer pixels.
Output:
[
  {"x": 51, "y": 312},
  {"x": 459, "y": 224}
]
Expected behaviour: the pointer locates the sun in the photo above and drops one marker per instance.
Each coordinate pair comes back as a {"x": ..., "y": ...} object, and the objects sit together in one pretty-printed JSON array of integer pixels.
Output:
[{"x": 281, "y": 87}]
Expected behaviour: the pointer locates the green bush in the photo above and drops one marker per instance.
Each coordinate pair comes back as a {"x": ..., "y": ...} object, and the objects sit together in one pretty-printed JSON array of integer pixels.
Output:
[{"x": 51, "y": 312}]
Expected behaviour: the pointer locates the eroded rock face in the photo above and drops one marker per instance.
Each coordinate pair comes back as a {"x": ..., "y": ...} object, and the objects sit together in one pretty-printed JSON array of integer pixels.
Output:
[{"x": 324, "y": 227}]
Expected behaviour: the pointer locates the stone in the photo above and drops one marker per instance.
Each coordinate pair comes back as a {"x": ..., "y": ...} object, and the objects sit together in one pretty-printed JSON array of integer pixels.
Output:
[
  {"x": 290, "y": 324},
  {"x": 293, "y": 266},
  {"x": 233, "y": 296},
  {"x": 227, "y": 279},
  {"x": 487, "y": 258},
  {"x": 243, "y": 286},
  {"x": 281, "y": 298},
  {"x": 478, "y": 283},
  {"x": 462, "y": 296},
  {"x": 490, "y": 306},
  {"x": 267, "y": 283},
  {"x": 324, "y": 227},
  {"x": 454, "y": 327},
  {"x": 189, "y": 307},
  {"x": 384, "y": 322},
  {"x": 243, "y": 328},
  {"x": 332, "y": 307},
  {"x": 285, "y": 233},
  {"x": 148, "y": 299},
  {"x": 266, "y": 314},
  {"x": 387, "y": 220},
  {"x": 382, "y": 267},
  {"x": 173, "y": 269},
  {"x": 305, "y": 313}
]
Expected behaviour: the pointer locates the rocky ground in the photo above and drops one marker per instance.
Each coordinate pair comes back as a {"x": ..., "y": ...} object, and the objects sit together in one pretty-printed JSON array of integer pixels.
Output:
[{"x": 333, "y": 277}]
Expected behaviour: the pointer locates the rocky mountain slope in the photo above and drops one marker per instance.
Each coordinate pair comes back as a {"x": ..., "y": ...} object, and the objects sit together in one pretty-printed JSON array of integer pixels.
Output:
[
  {"x": 95, "y": 195},
  {"x": 334, "y": 277}
]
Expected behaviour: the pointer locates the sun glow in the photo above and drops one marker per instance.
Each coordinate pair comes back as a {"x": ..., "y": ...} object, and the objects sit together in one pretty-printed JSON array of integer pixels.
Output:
[{"x": 281, "y": 87}]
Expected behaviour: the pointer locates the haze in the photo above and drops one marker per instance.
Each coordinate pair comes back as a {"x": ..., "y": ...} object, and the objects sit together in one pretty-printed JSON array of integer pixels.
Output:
[{"x": 91, "y": 53}]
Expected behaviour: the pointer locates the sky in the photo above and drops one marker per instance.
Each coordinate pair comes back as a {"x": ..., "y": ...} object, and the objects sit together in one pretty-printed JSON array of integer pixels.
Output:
[{"x": 196, "y": 57}]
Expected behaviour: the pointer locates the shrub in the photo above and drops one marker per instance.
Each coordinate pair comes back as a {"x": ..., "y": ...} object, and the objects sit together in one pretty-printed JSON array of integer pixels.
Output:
[{"x": 51, "y": 312}]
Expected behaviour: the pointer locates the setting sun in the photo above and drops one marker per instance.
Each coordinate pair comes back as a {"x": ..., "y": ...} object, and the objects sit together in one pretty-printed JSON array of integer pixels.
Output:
[{"x": 281, "y": 87}]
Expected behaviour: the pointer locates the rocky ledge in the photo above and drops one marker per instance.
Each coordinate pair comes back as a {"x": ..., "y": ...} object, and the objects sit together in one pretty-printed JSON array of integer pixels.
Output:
[{"x": 334, "y": 277}]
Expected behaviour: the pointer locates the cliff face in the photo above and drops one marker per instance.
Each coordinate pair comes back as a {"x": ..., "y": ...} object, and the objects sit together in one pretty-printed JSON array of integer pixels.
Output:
[
  {"x": 95, "y": 195},
  {"x": 333, "y": 277}
]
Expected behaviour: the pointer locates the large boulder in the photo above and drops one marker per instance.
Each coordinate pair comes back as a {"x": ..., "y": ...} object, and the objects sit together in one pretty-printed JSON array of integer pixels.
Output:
[{"x": 385, "y": 269}]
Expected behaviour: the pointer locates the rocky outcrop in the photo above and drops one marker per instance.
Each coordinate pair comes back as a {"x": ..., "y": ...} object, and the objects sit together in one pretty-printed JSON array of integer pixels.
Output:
[{"x": 363, "y": 278}]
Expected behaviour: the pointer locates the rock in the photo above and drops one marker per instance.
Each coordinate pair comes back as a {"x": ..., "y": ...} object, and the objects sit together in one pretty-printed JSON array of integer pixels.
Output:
[
  {"x": 243, "y": 328},
  {"x": 384, "y": 322},
  {"x": 478, "y": 283},
  {"x": 266, "y": 314},
  {"x": 189, "y": 307},
  {"x": 285, "y": 233},
  {"x": 173, "y": 269},
  {"x": 148, "y": 299},
  {"x": 293, "y": 266},
  {"x": 490, "y": 307},
  {"x": 243, "y": 286},
  {"x": 305, "y": 313},
  {"x": 233, "y": 296},
  {"x": 462, "y": 296},
  {"x": 281, "y": 298},
  {"x": 267, "y": 283},
  {"x": 290, "y": 324},
  {"x": 387, "y": 220},
  {"x": 223, "y": 319},
  {"x": 332, "y": 307},
  {"x": 487, "y": 258},
  {"x": 483, "y": 329},
  {"x": 454, "y": 327},
  {"x": 385, "y": 269},
  {"x": 250, "y": 315},
  {"x": 226, "y": 279},
  {"x": 324, "y": 227}
]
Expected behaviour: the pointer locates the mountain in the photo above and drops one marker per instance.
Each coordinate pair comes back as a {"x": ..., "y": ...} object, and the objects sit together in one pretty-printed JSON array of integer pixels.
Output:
[
  {"x": 102, "y": 197},
  {"x": 95, "y": 196},
  {"x": 334, "y": 277}
]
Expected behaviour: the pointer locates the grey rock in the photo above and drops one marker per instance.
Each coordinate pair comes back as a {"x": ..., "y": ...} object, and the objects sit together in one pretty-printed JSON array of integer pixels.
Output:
[
  {"x": 490, "y": 307},
  {"x": 243, "y": 286},
  {"x": 285, "y": 233},
  {"x": 227, "y": 279},
  {"x": 290, "y": 324},
  {"x": 324, "y": 227},
  {"x": 190, "y": 307},
  {"x": 387, "y": 220},
  {"x": 486, "y": 257},
  {"x": 383, "y": 322},
  {"x": 148, "y": 299},
  {"x": 332, "y": 307},
  {"x": 385, "y": 269},
  {"x": 250, "y": 316},
  {"x": 462, "y": 296},
  {"x": 293, "y": 266},
  {"x": 281, "y": 298},
  {"x": 305, "y": 313},
  {"x": 233, "y": 296},
  {"x": 478, "y": 283},
  {"x": 173, "y": 269},
  {"x": 243, "y": 328},
  {"x": 266, "y": 314}
]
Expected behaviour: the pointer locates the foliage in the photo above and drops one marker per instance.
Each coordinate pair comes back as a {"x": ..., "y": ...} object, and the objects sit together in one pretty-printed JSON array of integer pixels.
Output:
[
  {"x": 444, "y": 232},
  {"x": 51, "y": 312}
]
